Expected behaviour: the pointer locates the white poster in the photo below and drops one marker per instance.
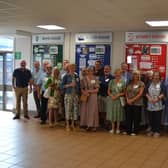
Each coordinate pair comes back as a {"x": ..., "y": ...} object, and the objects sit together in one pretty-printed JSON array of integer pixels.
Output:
[
  {"x": 82, "y": 62},
  {"x": 53, "y": 50},
  {"x": 145, "y": 65},
  {"x": 100, "y": 49}
]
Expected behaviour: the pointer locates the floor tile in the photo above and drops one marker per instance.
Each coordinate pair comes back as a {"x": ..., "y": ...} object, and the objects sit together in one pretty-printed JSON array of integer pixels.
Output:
[{"x": 27, "y": 144}]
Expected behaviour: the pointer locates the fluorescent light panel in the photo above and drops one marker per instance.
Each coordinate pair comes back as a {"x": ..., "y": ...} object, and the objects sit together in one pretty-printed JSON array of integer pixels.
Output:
[
  {"x": 51, "y": 27},
  {"x": 157, "y": 23}
]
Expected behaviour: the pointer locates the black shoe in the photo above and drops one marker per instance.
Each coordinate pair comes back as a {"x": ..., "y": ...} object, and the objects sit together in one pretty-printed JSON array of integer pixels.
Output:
[
  {"x": 27, "y": 117},
  {"x": 16, "y": 117},
  {"x": 42, "y": 122},
  {"x": 37, "y": 116}
]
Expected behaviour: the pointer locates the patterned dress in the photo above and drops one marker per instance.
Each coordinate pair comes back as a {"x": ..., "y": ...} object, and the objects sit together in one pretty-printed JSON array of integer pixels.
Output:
[
  {"x": 115, "y": 111},
  {"x": 54, "y": 100}
]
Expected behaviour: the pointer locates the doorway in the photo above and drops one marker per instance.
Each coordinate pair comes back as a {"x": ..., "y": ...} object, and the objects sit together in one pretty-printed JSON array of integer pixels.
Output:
[{"x": 6, "y": 70}]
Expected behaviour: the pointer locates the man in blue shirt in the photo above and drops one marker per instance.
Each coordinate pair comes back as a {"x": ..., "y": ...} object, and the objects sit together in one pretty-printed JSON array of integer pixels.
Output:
[
  {"x": 126, "y": 75},
  {"x": 21, "y": 79},
  {"x": 37, "y": 73}
]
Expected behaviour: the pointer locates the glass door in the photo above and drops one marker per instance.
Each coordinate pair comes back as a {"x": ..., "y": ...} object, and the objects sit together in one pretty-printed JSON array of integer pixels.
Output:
[{"x": 6, "y": 70}]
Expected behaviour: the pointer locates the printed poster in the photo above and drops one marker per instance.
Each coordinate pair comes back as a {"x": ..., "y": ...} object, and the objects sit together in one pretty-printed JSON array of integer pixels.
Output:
[{"x": 86, "y": 55}]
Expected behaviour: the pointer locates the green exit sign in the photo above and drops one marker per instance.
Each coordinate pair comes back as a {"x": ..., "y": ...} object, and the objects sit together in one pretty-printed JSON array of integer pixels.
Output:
[{"x": 18, "y": 55}]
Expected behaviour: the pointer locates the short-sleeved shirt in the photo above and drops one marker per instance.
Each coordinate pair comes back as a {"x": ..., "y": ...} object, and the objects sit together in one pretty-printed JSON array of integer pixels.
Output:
[
  {"x": 133, "y": 91},
  {"x": 42, "y": 80},
  {"x": 104, "y": 82},
  {"x": 36, "y": 75},
  {"x": 154, "y": 90},
  {"x": 126, "y": 77},
  {"x": 67, "y": 79},
  {"x": 22, "y": 77}
]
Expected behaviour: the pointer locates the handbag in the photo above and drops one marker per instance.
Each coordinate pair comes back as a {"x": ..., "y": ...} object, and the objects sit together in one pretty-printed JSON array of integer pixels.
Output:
[
  {"x": 83, "y": 98},
  {"x": 122, "y": 101},
  {"x": 47, "y": 93}
]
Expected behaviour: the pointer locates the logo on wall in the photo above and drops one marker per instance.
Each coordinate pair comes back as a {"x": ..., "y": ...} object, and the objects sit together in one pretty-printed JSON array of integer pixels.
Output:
[
  {"x": 130, "y": 37},
  {"x": 81, "y": 38},
  {"x": 37, "y": 38}
]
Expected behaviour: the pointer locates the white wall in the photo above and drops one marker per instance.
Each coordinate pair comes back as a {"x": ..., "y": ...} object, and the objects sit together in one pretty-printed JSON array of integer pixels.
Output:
[
  {"x": 24, "y": 45},
  {"x": 118, "y": 50},
  {"x": 69, "y": 47}
]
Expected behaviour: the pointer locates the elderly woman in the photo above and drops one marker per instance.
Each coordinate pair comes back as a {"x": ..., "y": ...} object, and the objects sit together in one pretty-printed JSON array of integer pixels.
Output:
[
  {"x": 84, "y": 95},
  {"x": 53, "y": 84},
  {"x": 155, "y": 93},
  {"x": 70, "y": 84},
  {"x": 134, "y": 98},
  {"x": 115, "y": 109},
  {"x": 92, "y": 119}
]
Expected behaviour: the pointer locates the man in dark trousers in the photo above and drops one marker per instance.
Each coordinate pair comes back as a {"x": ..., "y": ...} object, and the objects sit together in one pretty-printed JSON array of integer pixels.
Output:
[
  {"x": 102, "y": 98},
  {"x": 37, "y": 72}
]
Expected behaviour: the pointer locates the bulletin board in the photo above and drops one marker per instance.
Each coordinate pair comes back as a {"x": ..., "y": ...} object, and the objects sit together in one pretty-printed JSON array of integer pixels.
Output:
[
  {"x": 87, "y": 54},
  {"x": 146, "y": 57}
]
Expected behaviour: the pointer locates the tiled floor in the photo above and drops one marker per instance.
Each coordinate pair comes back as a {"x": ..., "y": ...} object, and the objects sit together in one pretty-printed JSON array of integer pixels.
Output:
[{"x": 27, "y": 144}]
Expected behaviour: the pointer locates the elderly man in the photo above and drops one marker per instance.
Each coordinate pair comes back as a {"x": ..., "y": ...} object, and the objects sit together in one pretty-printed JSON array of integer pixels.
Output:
[
  {"x": 41, "y": 89},
  {"x": 104, "y": 81},
  {"x": 21, "y": 79},
  {"x": 126, "y": 75},
  {"x": 37, "y": 72}
]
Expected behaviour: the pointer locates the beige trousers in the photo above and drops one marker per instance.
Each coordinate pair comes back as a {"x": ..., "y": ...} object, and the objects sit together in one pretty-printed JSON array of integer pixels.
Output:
[{"x": 21, "y": 93}]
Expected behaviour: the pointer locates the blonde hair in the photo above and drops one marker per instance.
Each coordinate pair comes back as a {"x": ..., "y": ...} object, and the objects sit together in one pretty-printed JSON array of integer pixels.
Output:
[
  {"x": 72, "y": 65},
  {"x": 137, "y": 72},
  {"x": 117, "y": 71}
]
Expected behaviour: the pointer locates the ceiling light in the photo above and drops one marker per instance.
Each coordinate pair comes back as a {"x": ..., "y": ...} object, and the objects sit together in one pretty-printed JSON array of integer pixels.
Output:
[
  {"x": 51, "y": 27},
  {"x": 157, "y": 23}
]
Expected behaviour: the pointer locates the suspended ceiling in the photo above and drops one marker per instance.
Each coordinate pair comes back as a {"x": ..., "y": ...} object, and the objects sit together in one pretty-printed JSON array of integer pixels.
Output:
[{"x": 80, "y": 15}]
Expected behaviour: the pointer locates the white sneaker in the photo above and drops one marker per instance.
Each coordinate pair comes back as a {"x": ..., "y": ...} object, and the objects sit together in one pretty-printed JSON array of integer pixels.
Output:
[
  {"x": 150, "y": 133},
  {"x": 118, "y": 131},
  {"x": 111, "y": 131},
  {"x": 156, "y": 135},
  {"x": 124, "y": 133},
  {"x": 133, "y": 134},
  {"x": 148, "y": 129}
]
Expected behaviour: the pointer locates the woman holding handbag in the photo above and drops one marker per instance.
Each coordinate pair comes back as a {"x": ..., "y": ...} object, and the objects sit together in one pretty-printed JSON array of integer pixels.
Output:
[{"x": 115, "y": 110}]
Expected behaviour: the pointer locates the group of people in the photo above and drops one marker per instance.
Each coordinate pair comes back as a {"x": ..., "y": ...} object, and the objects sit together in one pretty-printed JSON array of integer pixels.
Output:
[{"x": 95, "y": 98}]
